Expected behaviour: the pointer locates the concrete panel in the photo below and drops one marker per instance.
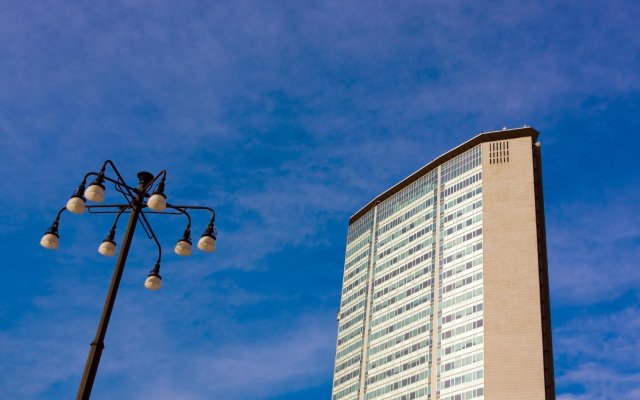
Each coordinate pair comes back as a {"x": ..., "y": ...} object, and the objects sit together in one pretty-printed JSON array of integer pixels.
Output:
[{"x": 514, "y": 368}]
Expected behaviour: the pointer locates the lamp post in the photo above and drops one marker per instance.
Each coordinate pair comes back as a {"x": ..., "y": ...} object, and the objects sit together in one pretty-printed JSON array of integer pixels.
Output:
[{"x": 140, "y": 200}]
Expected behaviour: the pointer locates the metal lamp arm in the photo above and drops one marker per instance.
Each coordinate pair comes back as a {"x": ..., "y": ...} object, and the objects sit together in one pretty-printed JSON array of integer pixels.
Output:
[
  {"x": 149, "y": 185},
  {"x": 183, "y": 211},
  {"x": 115, "y": 222},
  {"x": 211, "y": 210},
  {"x": 63, "y": 209},
  {"x": 86, "y": 176},
  {"x": 153, "y": 236},
  {"x": 120, "y": 208},
  {"x": 121, "y": 181}
]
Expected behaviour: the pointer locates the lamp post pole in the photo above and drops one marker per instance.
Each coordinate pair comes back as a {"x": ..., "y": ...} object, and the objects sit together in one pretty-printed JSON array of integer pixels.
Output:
[
  {"x": 95, "y": 352},
  {"x": 139, "y": 202}
]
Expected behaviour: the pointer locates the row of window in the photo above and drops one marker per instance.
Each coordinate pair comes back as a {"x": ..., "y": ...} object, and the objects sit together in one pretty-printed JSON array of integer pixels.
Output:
[
  {"x": 404, "y": 281},
  {"x": 421, "y": 345},
  {"x": 396, "y": 370},
  {"x": 407, "y": 195},
  {"x": 472, "y": 248},
  {"x": 400, "y": 324},
  {"x": 405, "y": 216},
  {"x": 405, "y": 241},
  {"x": 360, "y": 227},
  {"x": 422, "y": 392},
  {"x": 402, "y": 295},
  {"x": 459, "y": 330},
  {"x": 462, "y": 211},
  {"x": 404, "y": 268},
  {"x": 357, "y": 246},
  {"x": 355, "y": 346},
  {"x": 401, "y": 282},
  {"x": 347, "y": 364},
  {"x": 424, "y": 244},
  {"x": 401, "y": 310},
  {"x": 427, "y": 216},
  {"x": 462, "y": 184},
  {"x": 346, "y": 377},
  {"x": 353, "y": 308},
  {"x": 396, "y": 203},
  {"x": 351, "y": 335},
  {"x": 466, "y": 296},
  {"x": 465, "y": 312},
  {"x": 460, "y": 199},
  {"x": 398, "y": 339},
  {"x": 463, "y": 345},
  {"x": 457, "y": 269},
  {"x": 459, "y": 165},
  {"x": 471, "y": 394},
  {"x": 348, "y": 324},
  {"x": 461, "y": 282},
  {"x": 353, "y": 296},
  {"x": 355, "y": 260},
  {"x": 462, "y": 225},
  {"x": 354, "y": 284},
  {"x": 346, "y": 391},
  {"x": 363, "y": 265},
  {"x": 462, "y": 362},
  {"x": 461, "y": 239},
  {"x": 398, "y": 385},
  {"x": 462, "y": 379}
]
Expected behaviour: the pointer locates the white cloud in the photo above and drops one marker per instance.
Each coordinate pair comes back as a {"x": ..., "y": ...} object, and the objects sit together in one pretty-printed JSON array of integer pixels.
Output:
[
  {"x": 287, "y": 118},
  {"x": 598, "y": 353},
  {"x": 591, "y": 259}
]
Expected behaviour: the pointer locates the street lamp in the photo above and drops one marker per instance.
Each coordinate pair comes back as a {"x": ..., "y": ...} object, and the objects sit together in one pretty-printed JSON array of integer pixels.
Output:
[{"x": 140, "y": 202}]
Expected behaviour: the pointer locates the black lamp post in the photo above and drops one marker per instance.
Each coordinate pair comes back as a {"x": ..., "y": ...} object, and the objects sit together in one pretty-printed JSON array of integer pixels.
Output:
[{"x": 139, "y": 202}]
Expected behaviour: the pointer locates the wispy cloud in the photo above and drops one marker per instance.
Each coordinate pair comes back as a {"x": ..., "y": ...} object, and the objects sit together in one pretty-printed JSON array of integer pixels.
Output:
[
  {"x": 600, "y": 263},
  {"x": 158, "y": 353},
  {"x": 597, "y": 354},
  {"x": 288, "y": 118}
]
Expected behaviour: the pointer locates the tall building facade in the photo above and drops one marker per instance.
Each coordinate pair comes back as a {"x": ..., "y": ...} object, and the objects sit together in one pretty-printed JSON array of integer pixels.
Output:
[{"x": 445, "y": 291}]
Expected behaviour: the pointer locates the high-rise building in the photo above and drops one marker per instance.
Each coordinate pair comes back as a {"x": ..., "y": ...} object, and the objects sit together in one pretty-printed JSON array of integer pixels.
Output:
[{"x": 445, "y": 292}]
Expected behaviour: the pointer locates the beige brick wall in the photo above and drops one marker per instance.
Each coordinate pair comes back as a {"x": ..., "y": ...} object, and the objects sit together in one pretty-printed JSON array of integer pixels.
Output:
[{"x": 514, "y": 367}]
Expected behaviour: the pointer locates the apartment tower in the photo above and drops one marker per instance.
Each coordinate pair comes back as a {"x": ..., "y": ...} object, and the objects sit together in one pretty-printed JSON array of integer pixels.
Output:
[{"x": 445, "y": 292}]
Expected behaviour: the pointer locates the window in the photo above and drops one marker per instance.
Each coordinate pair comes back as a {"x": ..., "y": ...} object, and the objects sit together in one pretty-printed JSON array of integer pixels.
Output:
[{"x": 499, "y": 152}]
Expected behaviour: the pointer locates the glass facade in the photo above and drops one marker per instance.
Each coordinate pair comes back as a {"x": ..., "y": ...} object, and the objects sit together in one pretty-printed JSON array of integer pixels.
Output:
[
  {"x": 411, "y": 313},
  {"x": 460, "y": 317}
]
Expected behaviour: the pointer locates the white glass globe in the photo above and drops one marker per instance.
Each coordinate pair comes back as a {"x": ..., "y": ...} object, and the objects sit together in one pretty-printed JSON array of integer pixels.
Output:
[
  {"x": 183, "y": 248},
  {"x": 157, "y": 202},
  {"x": 49, "y": 241},
  {"x": 207, "y": 243},
  {"x": 107, "y": 248},
  {"x": 95, "y": 193},
  {"x": 153, "y": 282},
  {"x": 76, "y": 205}
]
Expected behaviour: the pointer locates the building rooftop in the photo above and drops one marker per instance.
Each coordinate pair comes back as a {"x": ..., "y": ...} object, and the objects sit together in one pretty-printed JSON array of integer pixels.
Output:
[{"x": 481, "y": 138}]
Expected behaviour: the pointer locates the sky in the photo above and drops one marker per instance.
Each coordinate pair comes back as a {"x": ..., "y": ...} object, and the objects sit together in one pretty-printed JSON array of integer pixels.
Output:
[{"x": 287, "y": 117}]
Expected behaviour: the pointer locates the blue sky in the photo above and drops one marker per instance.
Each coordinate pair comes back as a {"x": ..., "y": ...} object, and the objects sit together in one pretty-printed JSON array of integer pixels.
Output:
[{"x": 287, "y": 117}]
